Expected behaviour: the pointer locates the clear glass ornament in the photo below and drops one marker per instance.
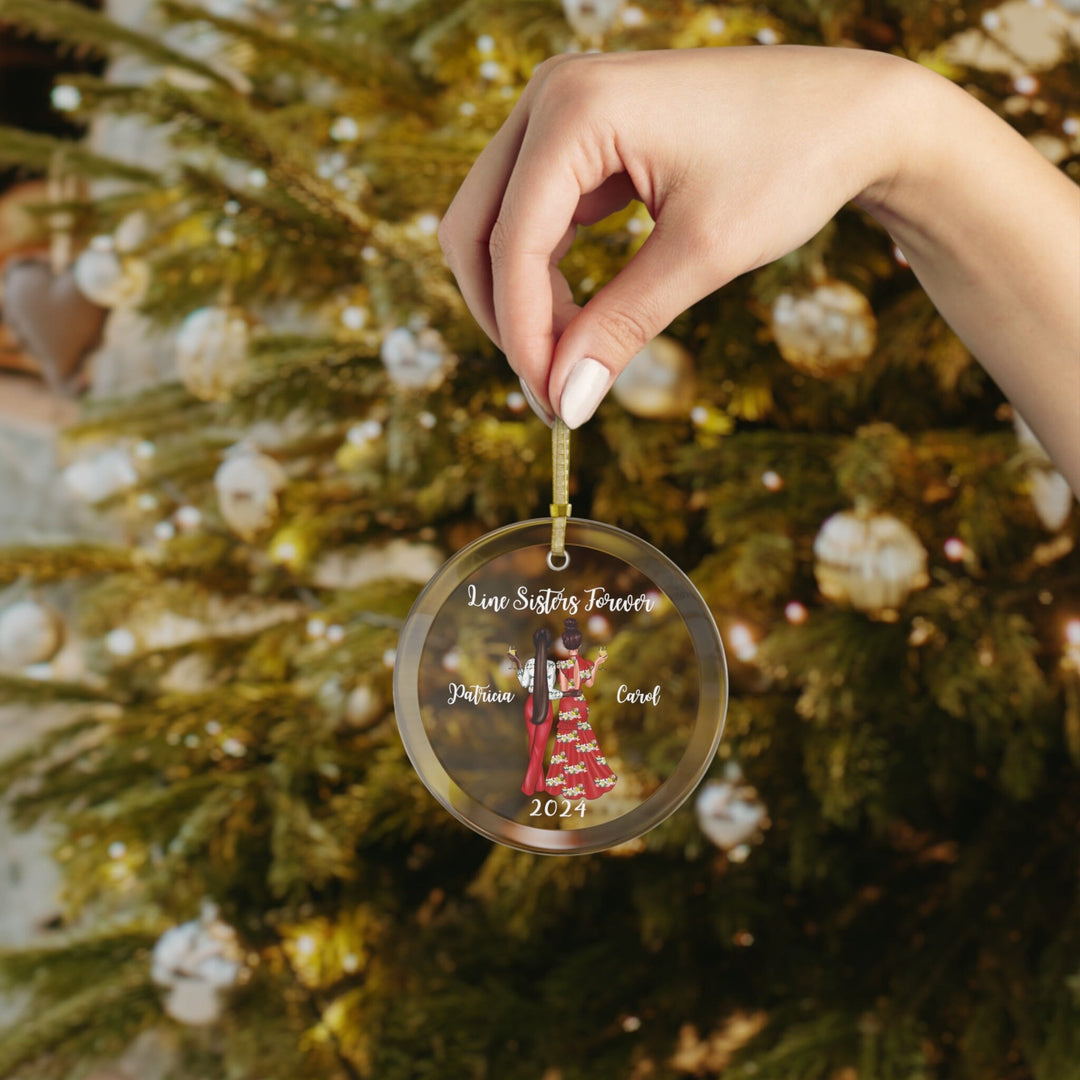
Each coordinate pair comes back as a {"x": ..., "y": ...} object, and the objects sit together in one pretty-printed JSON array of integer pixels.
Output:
[{"x": 625, "y": 721}]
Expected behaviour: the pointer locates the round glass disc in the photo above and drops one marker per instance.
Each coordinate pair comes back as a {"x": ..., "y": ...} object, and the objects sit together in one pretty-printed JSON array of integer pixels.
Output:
[{"x": 561, "y": 710}]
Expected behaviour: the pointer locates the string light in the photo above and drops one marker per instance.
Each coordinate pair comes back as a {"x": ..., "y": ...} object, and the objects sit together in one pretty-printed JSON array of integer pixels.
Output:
[
  {"x": 772, "y": 480},
  {"x": 795, "y": 613},
  {"x": 742, "y": 642},
  {"x": 188, "y": 517},
  {"x": 955, "y": 549}
]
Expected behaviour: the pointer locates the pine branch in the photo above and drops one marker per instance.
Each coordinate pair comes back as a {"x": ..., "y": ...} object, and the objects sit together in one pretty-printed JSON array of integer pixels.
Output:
[
  {"x": 39, "y": 152},
  {"x": 44, "y": 563},
  {"x": 372, "y": 65},
  {"x": 81, "y": 28},
  {"x": 119, "y": 1001}
]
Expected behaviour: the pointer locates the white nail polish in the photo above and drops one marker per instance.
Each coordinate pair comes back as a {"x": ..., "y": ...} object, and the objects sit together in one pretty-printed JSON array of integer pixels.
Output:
[
  {"x": 535, "y": 405},
  {"x": 583, "y": 392}
]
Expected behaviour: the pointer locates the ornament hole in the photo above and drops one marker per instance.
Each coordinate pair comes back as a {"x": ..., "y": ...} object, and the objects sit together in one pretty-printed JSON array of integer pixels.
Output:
[{"x": 553, "y": 565}]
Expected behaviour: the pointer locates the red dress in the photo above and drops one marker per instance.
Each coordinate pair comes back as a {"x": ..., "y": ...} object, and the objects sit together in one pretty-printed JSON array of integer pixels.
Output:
[
  {"x": 577, "y": 769},
  {"x": 538, "y": 737}
]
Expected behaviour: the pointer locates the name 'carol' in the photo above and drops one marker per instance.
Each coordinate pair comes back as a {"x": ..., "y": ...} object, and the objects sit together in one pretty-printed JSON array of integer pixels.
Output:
[
  {"x": 477, "y": 695},
  {"x": 638, "y": 697}
]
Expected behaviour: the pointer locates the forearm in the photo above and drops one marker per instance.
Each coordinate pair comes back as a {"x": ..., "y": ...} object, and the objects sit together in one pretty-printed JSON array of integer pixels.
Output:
[{"x": 992, "y": 231}]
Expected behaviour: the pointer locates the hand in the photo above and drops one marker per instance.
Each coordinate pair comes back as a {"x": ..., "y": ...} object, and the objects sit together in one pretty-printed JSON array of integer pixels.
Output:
[{"x": 741, "y": 155}]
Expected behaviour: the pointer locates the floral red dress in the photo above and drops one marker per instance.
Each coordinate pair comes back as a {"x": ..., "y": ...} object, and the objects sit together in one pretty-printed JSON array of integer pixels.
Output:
[{"x": 577, "y": 769}]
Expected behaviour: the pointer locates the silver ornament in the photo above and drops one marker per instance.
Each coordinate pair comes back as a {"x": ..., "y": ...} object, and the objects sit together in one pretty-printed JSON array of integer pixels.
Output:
[
  {"x": 212, "y": 351},
  {"x": 101, "y": 476},
  {"x": 247, "y": 485},
  {"x": 196, "y": 962},
  {"x": 871, "y": 562},
  {"x": 415, "y": 361},
  {"x": 30, "y": 633},
  {"x": 729, "y": 811}
]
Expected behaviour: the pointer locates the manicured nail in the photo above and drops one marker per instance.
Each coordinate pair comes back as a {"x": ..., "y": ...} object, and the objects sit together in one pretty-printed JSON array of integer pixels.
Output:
[
  {"x": 535, "y": 405},
  {"x": 583, "y": 392}
]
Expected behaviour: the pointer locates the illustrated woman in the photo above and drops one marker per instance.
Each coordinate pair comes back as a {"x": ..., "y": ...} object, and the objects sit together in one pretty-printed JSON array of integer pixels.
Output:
[
  {"x": 578, "y": 770},
  {"x": 539, "y": 712}
]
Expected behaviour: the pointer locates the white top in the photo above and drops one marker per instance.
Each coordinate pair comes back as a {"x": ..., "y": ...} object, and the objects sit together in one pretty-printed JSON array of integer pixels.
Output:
[{"x": 526, "y": 676}]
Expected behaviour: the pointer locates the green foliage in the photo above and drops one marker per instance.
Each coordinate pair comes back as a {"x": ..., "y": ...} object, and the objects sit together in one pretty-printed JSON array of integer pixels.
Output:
[{"x": 912, "y": 911}]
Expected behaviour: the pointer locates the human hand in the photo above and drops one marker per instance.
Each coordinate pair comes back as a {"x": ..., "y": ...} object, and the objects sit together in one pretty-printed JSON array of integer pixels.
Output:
[{"x": 739, "y": 154}]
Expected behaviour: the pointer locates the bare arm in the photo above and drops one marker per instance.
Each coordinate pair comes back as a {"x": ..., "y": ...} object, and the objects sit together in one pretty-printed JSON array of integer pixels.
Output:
[
  {"x": 741, "y": 155},
  {"x": 992, "y": 231}
]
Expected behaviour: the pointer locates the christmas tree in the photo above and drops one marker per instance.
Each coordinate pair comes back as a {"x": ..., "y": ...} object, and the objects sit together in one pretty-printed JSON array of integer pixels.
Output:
[{"x": 879, "y": 879}]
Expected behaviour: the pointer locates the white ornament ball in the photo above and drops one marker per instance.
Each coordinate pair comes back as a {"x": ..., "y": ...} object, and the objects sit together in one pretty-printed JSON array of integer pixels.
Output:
[
  {"x": 658, "y": 383},
  {"x": 1050, "y": 492},
  {"x": 100, "y": 477},
  {"x": 212, "y": 351},
  {"x": 729, "y": 813},
  {"x": 247, "y": 485},
  {"x": 107, "y": 279},
  {"x": 196, "y": 962},
  {"x": 121, "y": 642},
  {"x": 415, "y": 361},
  {"x": 30, "y": 633},
  {"x": 1051, "y": 496},
  {"x": 829, "y": 331},
  {"x": 871, "y": 562},
  {"x": 592, "y": 18},
  {"x": 363, "y": 706}
]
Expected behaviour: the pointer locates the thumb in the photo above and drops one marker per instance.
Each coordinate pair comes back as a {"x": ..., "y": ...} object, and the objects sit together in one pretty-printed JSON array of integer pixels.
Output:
[{"x": 661, "y": 281}]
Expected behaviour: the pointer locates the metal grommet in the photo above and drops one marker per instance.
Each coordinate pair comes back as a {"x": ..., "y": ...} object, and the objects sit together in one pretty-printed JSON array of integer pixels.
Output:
[{"x": 565, "y": 561}]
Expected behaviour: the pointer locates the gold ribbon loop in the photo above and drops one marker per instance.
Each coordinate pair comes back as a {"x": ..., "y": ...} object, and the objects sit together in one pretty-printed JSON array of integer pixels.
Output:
[{"x": 557, "y": 558}]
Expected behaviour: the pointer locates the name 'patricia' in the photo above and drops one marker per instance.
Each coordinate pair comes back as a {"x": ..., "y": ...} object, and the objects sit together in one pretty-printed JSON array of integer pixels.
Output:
[{"x": 477, "y": 695}]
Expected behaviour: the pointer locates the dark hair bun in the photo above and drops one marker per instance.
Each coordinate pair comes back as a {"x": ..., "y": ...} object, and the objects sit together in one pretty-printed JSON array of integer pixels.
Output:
[{"x": 570, "y": 624}]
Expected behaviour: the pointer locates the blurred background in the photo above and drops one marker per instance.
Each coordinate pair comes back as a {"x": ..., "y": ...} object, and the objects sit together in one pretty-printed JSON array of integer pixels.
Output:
[{"x": 245, "y": 414}]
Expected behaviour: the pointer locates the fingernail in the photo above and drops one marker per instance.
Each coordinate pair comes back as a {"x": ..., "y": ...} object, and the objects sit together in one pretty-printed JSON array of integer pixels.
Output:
[
  {"x": 535, "y": 405},
  {"x": 583, "y": 392}
]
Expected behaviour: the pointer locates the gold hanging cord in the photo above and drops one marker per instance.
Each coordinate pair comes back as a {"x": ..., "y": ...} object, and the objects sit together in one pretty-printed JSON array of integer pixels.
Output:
[{"x": 557, "y": 558}]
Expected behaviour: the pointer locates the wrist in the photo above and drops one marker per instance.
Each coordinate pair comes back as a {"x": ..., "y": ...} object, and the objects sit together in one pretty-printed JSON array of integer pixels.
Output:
[{"x": 910, "y": 111}]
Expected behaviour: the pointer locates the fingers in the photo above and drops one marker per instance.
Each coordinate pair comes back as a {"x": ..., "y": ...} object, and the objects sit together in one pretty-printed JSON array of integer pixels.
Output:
[
  {"x": 537, "y": 211},
  {"x": 466, "y": 227},
  {"x": 668, "y": 274}
]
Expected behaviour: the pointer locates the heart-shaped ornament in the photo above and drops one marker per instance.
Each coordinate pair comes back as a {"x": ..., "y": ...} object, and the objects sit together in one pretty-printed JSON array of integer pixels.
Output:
[{"x": 48, "y": 315}]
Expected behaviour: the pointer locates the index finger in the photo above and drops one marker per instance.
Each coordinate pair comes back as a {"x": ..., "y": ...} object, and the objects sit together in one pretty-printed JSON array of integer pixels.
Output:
[
  {"x": 465, "y": 229},
  {"x": 552, "y": 173}
]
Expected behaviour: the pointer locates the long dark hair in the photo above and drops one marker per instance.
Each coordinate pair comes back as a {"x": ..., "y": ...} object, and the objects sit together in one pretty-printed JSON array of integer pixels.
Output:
[{"x": 541, "y": 639}]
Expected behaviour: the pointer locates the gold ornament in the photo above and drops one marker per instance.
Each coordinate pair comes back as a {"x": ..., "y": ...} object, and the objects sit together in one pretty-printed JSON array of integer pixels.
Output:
[
  {"x": 592, "y": 19},
  {"x": 247, "y": 485},
  {"x": 827, "y": 332},
  {"x": 363, "y": 707},
  {"x": 105, "y": 278},
  {"x": 211, "y": 351},
  {"x": 871, "y": 562},
  {"x": 658, "y": 383}
]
